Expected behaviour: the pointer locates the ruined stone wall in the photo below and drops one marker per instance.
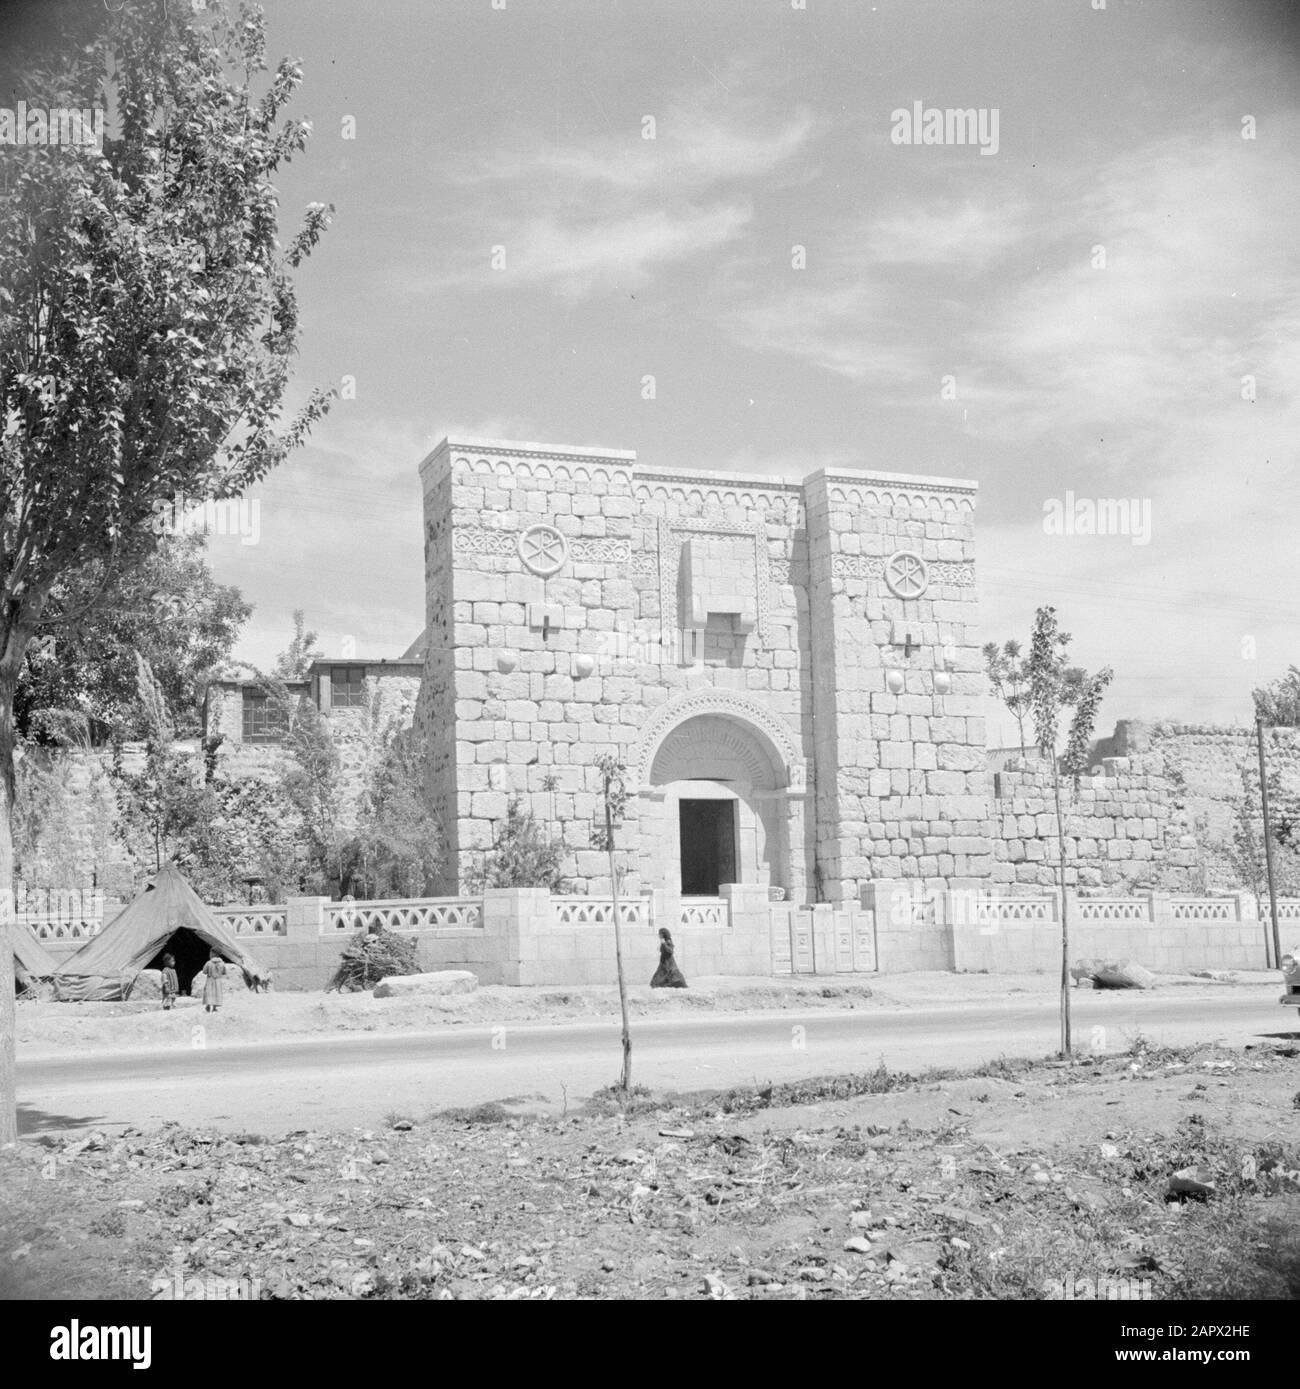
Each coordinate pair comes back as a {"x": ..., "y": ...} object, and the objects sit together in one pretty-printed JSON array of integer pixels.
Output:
[
  {"x": 1153, "y": 816},
  {"x": 1203, "y": 763}
]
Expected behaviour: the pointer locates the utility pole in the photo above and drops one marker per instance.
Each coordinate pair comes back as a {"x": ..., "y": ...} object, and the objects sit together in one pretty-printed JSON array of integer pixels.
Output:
[
  {"x": 1268, "y": 846},
  {"x": 1065, "y": 913}
]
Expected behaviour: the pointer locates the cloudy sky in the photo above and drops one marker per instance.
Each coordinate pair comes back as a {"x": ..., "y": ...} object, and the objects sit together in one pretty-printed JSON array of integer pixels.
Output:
[{"x": 1106, "y": 305}]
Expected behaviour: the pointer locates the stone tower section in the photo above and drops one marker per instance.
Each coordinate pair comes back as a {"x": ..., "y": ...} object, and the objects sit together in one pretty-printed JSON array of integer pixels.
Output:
[
  {"x": 898, "y": 728},
  {"x": 435, "y": 710},
  {"x": 528, "y": 563}
]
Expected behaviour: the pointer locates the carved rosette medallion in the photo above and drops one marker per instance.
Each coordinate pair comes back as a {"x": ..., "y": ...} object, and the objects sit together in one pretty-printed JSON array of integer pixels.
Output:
[
  {"x": 906, "y": 574},
  {"x": 543, "y": 549}
]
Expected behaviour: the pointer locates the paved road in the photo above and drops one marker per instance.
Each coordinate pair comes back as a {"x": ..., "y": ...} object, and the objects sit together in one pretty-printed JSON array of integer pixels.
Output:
[{"x": 345, "y": 1081}]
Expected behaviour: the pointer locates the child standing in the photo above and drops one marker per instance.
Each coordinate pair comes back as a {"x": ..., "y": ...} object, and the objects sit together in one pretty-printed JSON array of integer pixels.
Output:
[
  {"x": 214, "y": 975},
  {"x": 171, "y": 985}
]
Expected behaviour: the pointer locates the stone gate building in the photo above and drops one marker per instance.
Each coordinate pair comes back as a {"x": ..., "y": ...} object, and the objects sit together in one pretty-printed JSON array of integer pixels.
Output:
[
  {"x": 791, "y": 673},
  {"x": 789, "y": 669}
]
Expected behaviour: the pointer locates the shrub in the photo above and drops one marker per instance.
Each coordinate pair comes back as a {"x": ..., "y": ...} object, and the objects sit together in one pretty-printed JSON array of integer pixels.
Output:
[{"x": 523, "y": 855}]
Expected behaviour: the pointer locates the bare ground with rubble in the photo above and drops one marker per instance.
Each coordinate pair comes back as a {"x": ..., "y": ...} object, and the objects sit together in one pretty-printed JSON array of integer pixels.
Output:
[{"x": 1008, "y": 1182}]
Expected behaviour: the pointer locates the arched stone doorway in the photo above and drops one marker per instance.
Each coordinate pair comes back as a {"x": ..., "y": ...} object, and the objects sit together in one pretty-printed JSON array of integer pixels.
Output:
[{"x": 717, "y": 806}]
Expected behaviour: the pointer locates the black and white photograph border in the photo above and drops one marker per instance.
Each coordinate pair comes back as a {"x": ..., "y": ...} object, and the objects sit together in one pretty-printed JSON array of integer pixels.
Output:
[{"x": 650, "y": 652}]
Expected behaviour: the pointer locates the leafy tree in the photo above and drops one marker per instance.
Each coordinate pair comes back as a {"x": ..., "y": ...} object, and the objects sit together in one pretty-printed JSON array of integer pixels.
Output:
[
  {"x": 312, "y": 782},
  {"x": 1009, "y": 673},
  {"x": 524, "y": 855},
  {"x": 148, "y": 322},
  {"x": 1006, "y": 672},
  {"x": 170, "y": 610},
  {"x": 254, "y": 831},
  {"x": 397, "y": 847},
  {"x": 218, "y": 831},
  {"x": 47, "y": 850},
  {"x": 165, "y": 805},
  {"x": 1245, "y": 849},
  {"x": 1054, "y": 686},
  {"x": 393, "y": 849},
  {"x": 1278, "y": 704},
  {"x": 294, "y": 663}
]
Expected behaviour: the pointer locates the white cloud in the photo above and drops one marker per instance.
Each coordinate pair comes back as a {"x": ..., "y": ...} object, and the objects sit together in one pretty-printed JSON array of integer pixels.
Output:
[
  {"x": 577, "y": 257},
  {"x": 581, "y": 216},
  {"x": 951, "y": 236}
]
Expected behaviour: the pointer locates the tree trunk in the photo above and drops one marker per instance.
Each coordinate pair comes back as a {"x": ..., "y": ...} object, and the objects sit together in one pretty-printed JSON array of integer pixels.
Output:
[
  {"x": 1065, "y": 917},
  {"x": 618, "y": 947},
  {"x": 8, "y": 1014}
]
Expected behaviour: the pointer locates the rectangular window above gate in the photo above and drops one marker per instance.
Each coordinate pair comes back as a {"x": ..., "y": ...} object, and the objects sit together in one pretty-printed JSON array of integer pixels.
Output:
[{"x": 719, "y": 582}]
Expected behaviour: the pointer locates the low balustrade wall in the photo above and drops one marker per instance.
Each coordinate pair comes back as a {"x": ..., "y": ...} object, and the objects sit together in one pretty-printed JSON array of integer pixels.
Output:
[
  {"x": 508, "y": 935},
  {"x": 975, "y": 930},
  {"x": 530, "y": 936}
]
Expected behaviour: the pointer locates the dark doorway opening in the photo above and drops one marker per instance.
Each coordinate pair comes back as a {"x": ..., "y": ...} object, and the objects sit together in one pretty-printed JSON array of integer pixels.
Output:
[
  {"x": 190, "y": 951},
  {"x": 708, "y": 830}
]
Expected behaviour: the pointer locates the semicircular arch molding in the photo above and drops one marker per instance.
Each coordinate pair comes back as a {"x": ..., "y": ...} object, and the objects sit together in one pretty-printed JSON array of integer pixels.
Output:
[
  {"x": 716, "y": 749},
  {"x": 773, "y": 734}
]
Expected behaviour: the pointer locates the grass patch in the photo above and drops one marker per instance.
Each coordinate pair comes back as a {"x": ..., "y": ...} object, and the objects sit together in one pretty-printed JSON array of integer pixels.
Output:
[
  {"x": 613, "y": 1100},
  {"x": 1142, "y": 1048},
  {"x": 493, "y": 1112},
  {"x": 745, "y": 1099},
  {"x": 1234, "y": 1250}
]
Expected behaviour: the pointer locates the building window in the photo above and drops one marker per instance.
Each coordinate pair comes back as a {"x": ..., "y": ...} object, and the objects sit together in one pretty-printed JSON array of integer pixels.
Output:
[
  {"x": 348, "y": 687},
  {"x": 263, "y": 722}
]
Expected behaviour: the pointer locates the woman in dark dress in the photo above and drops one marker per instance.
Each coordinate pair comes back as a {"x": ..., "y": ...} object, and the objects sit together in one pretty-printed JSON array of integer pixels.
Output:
[{"x": 667, "y": 976}]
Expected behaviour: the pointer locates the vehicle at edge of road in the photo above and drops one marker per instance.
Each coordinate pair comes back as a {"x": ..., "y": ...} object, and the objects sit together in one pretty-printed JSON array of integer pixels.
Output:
[{"x": 1291, "y": 979}]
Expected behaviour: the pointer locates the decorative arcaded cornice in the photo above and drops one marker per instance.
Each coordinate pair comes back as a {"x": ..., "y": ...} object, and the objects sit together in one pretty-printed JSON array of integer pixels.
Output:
[
  {"x": 518, "y": 448},
  {"x": 943, "y": 500},
  {"x": 688, "y": 477},
  {"x": 910, "y": 482}
]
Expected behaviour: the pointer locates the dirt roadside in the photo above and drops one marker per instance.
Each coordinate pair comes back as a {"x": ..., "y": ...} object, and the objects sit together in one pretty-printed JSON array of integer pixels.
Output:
[
  {"x": 47, "y": 1029},
  {"x": 1018, "y": 1180}
]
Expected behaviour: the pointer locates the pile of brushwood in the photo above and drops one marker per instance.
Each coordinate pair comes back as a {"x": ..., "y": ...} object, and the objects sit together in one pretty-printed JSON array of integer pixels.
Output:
[{"x": 371, "y": 956}]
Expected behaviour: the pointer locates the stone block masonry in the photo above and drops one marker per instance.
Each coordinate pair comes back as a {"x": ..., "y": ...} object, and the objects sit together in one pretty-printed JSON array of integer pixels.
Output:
[
  {"x": 1155, "y": 814},
  {"x": 789, "y": 669}
]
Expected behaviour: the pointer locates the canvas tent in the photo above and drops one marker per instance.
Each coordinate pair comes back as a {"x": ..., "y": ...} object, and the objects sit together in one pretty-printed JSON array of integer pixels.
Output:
[
  {"x": 105, "y": 968},
  {"x": 31, "y": 959}
]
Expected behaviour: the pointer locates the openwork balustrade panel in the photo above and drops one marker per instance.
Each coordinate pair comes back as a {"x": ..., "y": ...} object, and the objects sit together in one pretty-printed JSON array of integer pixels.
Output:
[
  {"x": 428, "y": 914},
  {"x": 599, "y": 911},
  {"x": 253, "y": 923}
]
